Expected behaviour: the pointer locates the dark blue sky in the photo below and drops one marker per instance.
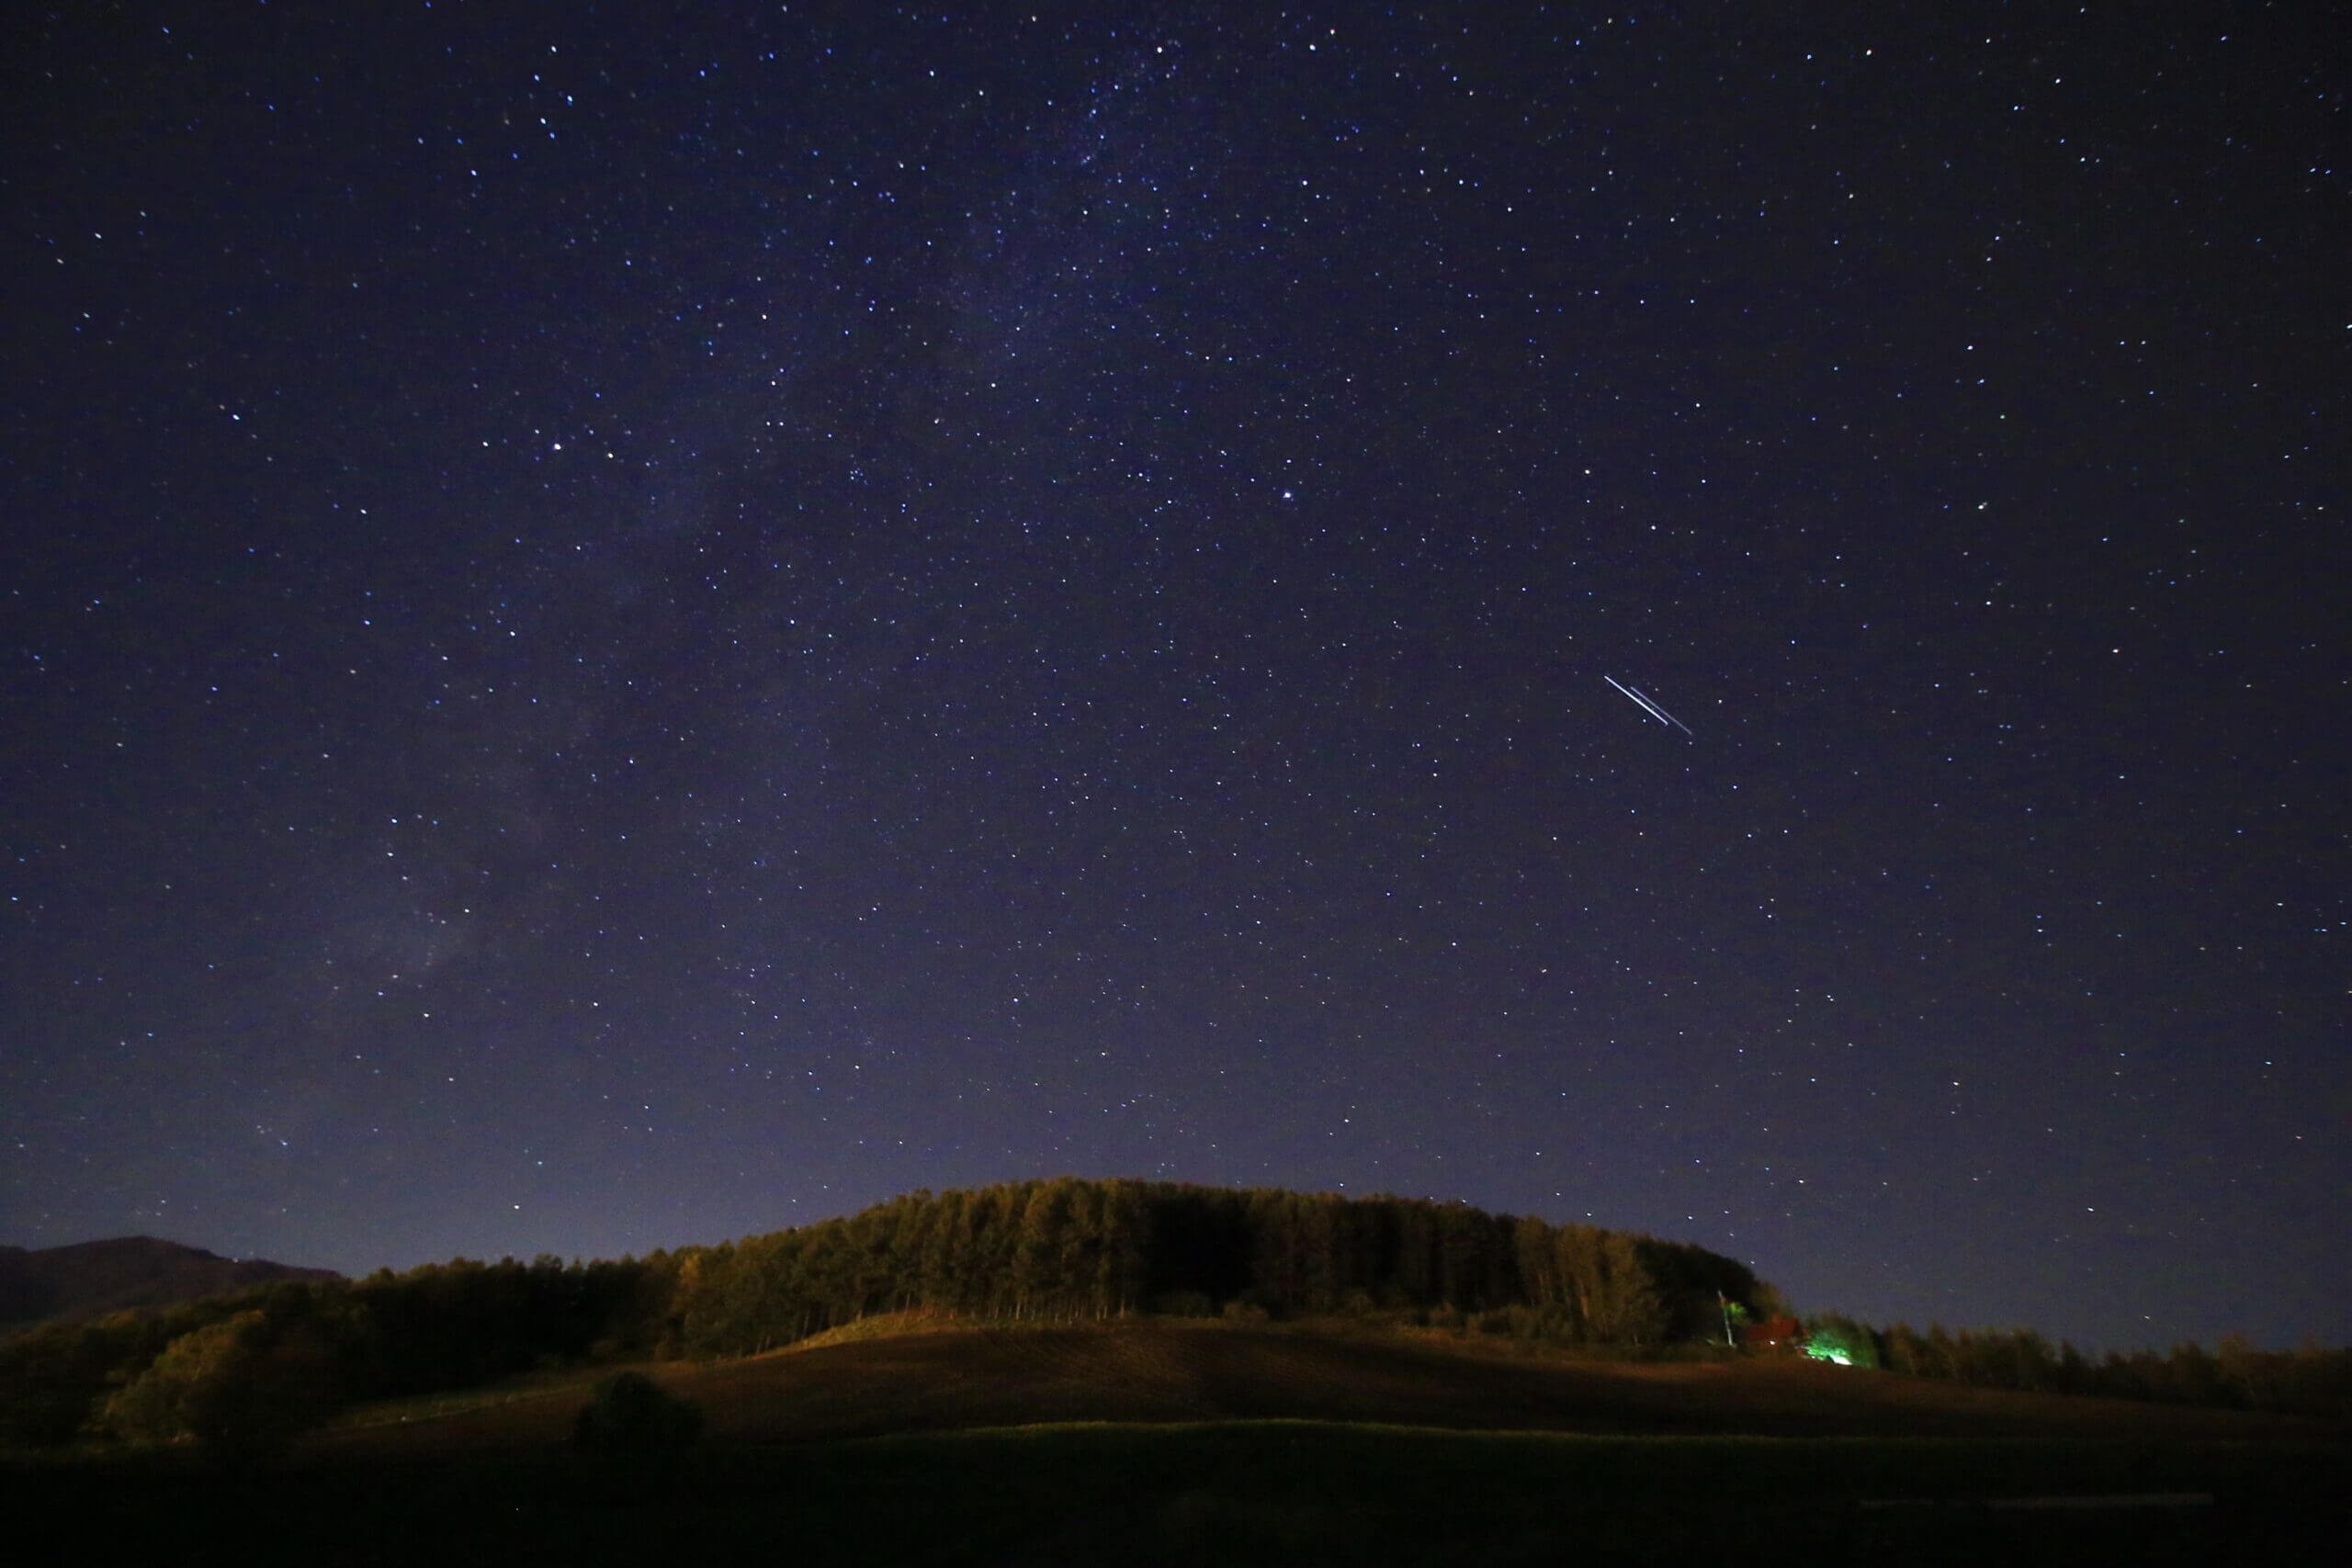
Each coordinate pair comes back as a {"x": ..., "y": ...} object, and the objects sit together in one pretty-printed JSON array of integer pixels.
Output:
[{"x": 629, "y": 625}]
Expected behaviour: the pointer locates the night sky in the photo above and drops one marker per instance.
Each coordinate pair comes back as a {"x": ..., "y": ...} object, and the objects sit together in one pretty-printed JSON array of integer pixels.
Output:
[{"x": 625, "y": 626}]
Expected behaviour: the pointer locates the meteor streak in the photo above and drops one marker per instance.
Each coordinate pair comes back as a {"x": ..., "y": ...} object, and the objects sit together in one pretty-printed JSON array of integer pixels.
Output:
[{"x": 1650, "y": 707}]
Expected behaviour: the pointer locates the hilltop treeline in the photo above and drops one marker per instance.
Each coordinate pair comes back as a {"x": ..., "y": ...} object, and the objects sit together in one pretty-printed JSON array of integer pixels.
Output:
[
  {"x": 1057, "y": 1250},
  {"x": 2309, "y": 1381},
  {"x": 1071, "y": 1249}
]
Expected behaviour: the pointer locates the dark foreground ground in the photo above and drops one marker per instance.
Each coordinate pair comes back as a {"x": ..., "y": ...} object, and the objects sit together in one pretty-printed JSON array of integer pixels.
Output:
[
  {"x": 1153, "y": 1444},
  {"x": 1225, "y": 1492}
]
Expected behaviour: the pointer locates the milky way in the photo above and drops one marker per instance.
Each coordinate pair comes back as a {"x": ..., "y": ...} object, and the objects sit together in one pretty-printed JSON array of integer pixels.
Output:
[{"x": 622, "y": 631}]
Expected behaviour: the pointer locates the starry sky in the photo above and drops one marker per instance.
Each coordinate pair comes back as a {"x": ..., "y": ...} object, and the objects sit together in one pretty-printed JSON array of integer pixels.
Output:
[{"x": 630, "y": 624}]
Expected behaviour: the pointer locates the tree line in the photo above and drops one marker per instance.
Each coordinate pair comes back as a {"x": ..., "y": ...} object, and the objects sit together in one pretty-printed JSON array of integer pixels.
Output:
[
  {"x": 262, "y": 1363},
  {"x": 1067, "y": 1249},
  {"x": 258, "y": 1365},
  {"x": 2311, "y": 1381},
  {"x": 244, "y": 1373}
]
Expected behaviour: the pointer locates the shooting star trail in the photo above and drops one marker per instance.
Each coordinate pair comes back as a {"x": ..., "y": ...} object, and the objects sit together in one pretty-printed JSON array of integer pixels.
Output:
[
  {"x": 1650, "y": 707},
  {"x": 1663, "y": 714},
  {"x": 1647, "y": 706},
  {"x": 1670, "y": 718}
]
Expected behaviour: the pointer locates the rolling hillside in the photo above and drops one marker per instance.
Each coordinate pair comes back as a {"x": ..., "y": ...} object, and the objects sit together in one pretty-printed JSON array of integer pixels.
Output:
[
  {"x": 1146, "y": 1442},
  {"x": 956, "y": 1378}
]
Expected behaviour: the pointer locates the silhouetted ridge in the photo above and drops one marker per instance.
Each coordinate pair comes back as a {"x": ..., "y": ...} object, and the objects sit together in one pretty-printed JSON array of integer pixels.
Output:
[{"x": 90, "y": 1278}]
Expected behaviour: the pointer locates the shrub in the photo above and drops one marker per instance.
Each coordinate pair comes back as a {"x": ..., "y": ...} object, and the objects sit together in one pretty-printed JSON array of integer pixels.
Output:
[
  {"x": 239, "y": 1389},
  {"x": 633, "y": 1416}
]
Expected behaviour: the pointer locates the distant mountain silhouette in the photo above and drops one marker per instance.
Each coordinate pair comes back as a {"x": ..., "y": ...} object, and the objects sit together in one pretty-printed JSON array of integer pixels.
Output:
[{"x": 92, "y": 1277}]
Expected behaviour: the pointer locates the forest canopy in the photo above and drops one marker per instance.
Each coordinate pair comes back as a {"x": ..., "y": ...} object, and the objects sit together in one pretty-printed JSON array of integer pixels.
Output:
[{"x": 1069, "y": 1249}]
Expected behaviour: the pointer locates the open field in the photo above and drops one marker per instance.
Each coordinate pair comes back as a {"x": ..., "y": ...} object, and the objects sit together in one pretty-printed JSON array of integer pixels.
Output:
[
  {"x": 1161, "y": 1370},
  {"x": 1180, "y": 1443}
]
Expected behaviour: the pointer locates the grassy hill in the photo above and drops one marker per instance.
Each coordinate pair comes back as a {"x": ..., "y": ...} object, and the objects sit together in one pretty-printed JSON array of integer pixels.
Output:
[
  {"x": 1020, "y": 1407},
  {"x": 905, "y": 1375},
  {"x": 1154, "y": 1442}
]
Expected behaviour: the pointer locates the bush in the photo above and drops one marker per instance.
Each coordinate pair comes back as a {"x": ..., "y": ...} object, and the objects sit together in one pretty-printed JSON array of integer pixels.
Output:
[
  {"x": 633, "y": 1416},
  {"x": 239, "y": 1389}
]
